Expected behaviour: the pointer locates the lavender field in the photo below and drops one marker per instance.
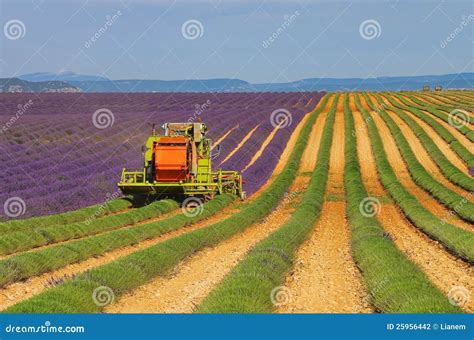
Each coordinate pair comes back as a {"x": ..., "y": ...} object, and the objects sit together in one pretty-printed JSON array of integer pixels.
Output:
[{"x": 61, "y": 152}]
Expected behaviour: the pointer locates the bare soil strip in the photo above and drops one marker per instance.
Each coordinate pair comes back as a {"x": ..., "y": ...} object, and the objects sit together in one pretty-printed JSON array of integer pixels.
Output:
[
  {"x": 194, "y": 278},
  {"x": 368, "y": 168},
  {"x": 325, "y": 278},
  {"x": 242, "y": 142},
  {"x": 440, "y": 142},
  {"x": 19, "y": 291},
  {"x": 455, "y": 132},
  {"x": 150, "y": 220},
  {"x": 264, "y": 145},
  {"x": 454, "y": 105},
  {"x": 464, "y": 97},
  {"x": 224, "y": 136},
  {"x": 442, "y": 268},
  {"x": 424, "y": 158},
  {"x": 435, "y": 99},
  {"x": 398, "y": 164},
  {"x": 286, "y": 153},
  {"x": 310, "y": 155}
]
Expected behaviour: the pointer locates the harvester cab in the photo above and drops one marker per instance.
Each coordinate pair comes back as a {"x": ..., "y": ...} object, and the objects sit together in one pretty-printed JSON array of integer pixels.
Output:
[{"x": 178, "y": 163}]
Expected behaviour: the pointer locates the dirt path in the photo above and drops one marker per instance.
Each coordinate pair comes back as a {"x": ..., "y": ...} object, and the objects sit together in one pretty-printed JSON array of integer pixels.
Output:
[
  {"x": 425, "y": 159},
  {"x": 286, "y": 153},
  {"x": 264, "y": 145},
  {"x": 194, "y": 278},
  {"x": 335, "y": 189},
  {"x": 396, "y": 161},
  {"x": 242, "y": 142},
  {"x": 465, "y": 98},
  {"x": 442, "y": 268},
  {"x": 150, "y": 220},
  {"x": 412, "y": 101},
  {"x": 368, "y": 168},
  {"x": 224, "y": 136},
  {"x": 310, "y": 155},
  {"x": 325, "y": 278},
  {"x": 440, "y": 142},
  {"x": 436, "y": 100},
  {"x": 427, "y": 102},
  {"x": 455, "y": 132},
  {"x": 455, "y": 104},
  {"x": 19, "y": 291},
  {"x": 457, "y": 98}
]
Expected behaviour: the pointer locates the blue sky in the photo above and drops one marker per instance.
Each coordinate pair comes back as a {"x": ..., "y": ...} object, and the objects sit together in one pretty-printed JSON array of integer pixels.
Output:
[{"x": 144, "y": 38}]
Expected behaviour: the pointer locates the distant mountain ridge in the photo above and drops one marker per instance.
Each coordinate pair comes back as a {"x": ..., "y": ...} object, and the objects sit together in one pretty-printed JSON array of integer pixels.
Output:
[
  {"x": 206, "y": 85},
  {"x": 91, "y": 83},
  {"x": 61, "y": 76},
  {"x": 12, "y": 85},
  {"x": 455, "y": 81}
]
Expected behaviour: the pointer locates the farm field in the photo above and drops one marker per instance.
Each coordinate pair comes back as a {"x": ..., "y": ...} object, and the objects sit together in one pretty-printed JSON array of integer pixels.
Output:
[
  {"x": 76, "y": 144},
  {"x": 357, "y": 203}
]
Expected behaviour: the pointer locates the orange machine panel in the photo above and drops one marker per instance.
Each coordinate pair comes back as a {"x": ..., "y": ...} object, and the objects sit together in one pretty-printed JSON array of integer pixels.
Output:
[{"x": 171, "y": 159}]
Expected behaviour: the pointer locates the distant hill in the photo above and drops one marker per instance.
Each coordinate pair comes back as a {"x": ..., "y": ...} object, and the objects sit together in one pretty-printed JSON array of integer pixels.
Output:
[
  {"x": 205, "y": 85},
  {"x": 458, "y": 81},
  {"x": 62, "y": 76},
  {"x": 453, "y": 81},
  {"x": 91, "y": 83},
  {"x": 17, "y": 85}
]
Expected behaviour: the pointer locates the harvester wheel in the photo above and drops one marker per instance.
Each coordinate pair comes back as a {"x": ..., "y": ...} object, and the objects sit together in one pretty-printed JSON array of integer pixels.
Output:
[
  {"x": 140, "y": 200},
  {"x": 149, "y": 173}
]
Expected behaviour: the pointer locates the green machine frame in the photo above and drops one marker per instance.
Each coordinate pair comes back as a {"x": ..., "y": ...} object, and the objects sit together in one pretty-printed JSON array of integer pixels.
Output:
[{"x": 205, "y": 182}]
